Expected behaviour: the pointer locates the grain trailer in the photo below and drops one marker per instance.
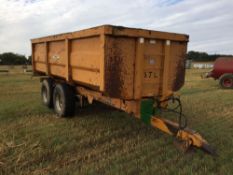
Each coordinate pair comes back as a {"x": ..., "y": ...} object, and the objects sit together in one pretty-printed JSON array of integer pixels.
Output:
[{"x": 134, "y": 70}]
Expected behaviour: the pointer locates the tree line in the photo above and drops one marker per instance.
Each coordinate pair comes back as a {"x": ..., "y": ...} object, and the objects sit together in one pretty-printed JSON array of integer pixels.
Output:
[
  {"x": 10, "y": 58},
  {"x": 203, "y": 56}
]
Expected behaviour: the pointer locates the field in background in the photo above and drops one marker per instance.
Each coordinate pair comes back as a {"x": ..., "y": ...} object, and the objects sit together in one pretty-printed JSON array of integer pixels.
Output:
[
  {"x": 102, "y": 140},
  {"x": 15, "y": 69}
]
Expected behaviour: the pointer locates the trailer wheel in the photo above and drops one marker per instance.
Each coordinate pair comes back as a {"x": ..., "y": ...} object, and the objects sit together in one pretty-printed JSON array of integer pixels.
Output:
[
  {"x": 226, "y": 81},
  {"x": 47, "y": 92},
  {"x": 64, "y": 100}
]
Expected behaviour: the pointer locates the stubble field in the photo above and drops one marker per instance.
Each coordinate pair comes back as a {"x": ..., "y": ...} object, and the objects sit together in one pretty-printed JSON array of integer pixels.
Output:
[{"x": 102, "y": 140}]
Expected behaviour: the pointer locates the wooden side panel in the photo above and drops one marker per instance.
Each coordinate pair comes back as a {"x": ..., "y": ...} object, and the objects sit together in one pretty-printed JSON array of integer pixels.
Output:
[
  {"x": 166, "y": 72},
  {"x": 163, "y": 67},
  {"x": 152, "y": 67},
  {"x": 85, "y": 57},
  {"x": 86, "y": 77},
  {"x": 119, "y": 67},
  {"x": 67, "y": 59},
  {"x": 122, "y": 63},
  {"x": 57, "y": 58},
  {"x": 39, "y": 57},
  {"x": 138, "y": 72}
]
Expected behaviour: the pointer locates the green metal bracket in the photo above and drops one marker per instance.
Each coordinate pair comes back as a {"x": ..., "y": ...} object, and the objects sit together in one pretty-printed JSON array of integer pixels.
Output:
[{"x": 147, "y": 110}]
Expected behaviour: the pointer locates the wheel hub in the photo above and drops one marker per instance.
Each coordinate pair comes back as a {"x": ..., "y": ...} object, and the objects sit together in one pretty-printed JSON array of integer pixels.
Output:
[
  {"x": 228, "y": 82},
  {"x": 45, "y": 95},
  {"x": 58, "y": 102}
]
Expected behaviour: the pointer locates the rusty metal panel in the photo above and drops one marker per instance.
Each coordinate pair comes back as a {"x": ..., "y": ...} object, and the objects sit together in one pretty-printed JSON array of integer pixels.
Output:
[
  {"x": 177, "y": 66},
  {"x": 119, "y": 66}
]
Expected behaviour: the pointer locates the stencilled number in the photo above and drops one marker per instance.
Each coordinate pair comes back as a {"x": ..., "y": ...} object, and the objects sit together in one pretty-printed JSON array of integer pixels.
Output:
[{"x": 150, "y": 75}]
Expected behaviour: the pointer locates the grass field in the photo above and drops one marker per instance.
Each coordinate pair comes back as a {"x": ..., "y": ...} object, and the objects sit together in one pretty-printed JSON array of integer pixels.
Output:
[
  {"x": 101, "y": 140},
  {"x": 15, "y": 69}
]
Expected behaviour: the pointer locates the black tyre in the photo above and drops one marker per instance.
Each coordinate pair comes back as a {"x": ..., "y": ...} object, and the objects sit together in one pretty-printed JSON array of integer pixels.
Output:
[
  {"x": 64, "y": 100},
  {"x": 47, "y": 92},
  {"x": 226, "y": 81}
]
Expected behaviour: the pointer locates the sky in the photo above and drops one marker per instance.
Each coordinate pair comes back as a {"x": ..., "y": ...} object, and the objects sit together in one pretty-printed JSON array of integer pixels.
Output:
[{"x": 209, "y": 23}]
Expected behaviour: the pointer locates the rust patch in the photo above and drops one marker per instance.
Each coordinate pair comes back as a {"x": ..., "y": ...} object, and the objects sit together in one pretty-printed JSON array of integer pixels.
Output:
[
  {"x": 180, "y": 74},
  {"x": 113, "y": 68}
]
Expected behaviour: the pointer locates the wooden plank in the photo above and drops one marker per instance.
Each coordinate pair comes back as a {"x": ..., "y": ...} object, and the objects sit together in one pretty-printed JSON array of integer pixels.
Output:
[
  {"x": 152, "y": 34},
  {"x": 166, "y": 65},
  {"x": 140, "y": 44},
  {"x": 114, "y": 30},
  {"x": 102, "y": 61},
  {"x": 67, "y": 59},
  {"x": 47, "y": 59},
  {"x": 73, "y": 35}
]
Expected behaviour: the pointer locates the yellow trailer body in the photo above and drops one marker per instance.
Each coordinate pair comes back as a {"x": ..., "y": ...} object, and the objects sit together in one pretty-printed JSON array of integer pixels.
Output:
[
  {"x": 121, "y": 62},
  {"x": 134, "y": 70}
]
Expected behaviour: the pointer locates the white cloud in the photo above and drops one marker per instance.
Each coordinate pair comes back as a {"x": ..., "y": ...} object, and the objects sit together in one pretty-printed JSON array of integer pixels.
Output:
[{"x": 209, "y": 23}]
